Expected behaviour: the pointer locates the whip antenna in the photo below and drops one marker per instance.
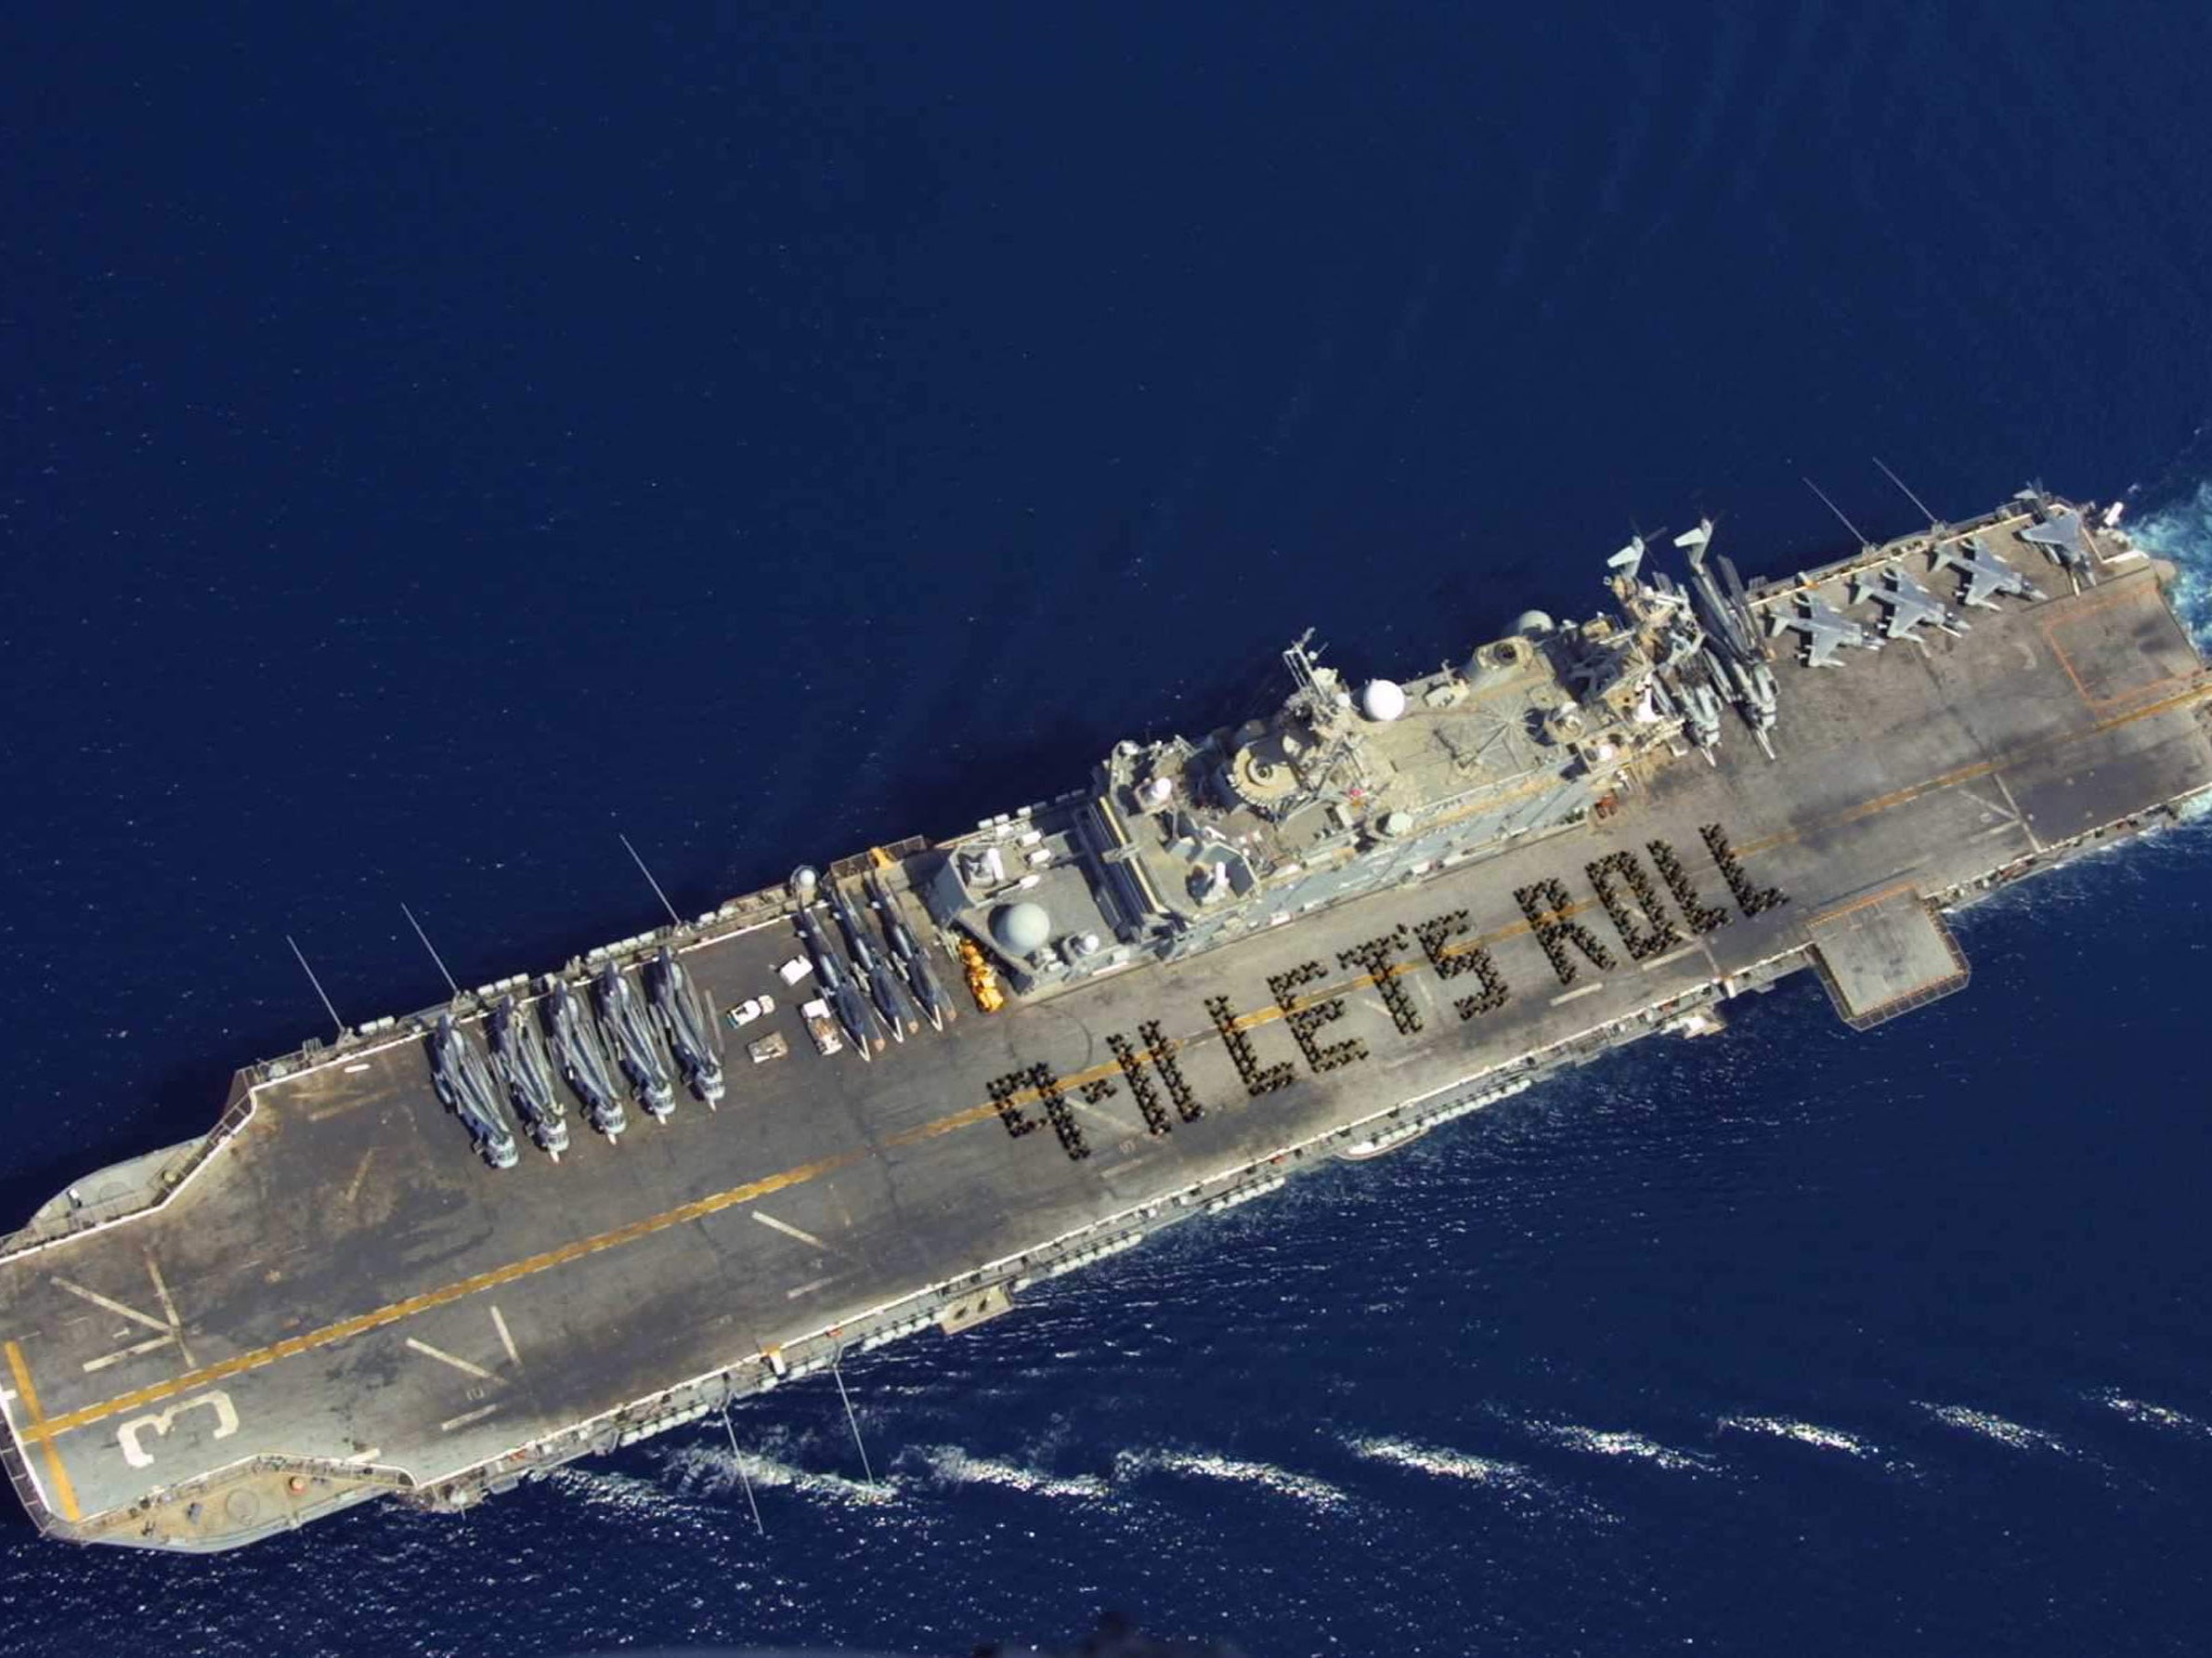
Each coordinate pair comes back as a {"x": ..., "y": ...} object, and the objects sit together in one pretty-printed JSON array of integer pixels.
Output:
[
  {"x": 1909, "y": 494},
  {"x": 1835, "y": 509},
  {"x": 737, "y": 1458},
  {"x": 431, "y": 947},
  {"x": 838, "y": 1374},
  {"x": 648, "y": 875},
  {"x": 318, "y": 983}
]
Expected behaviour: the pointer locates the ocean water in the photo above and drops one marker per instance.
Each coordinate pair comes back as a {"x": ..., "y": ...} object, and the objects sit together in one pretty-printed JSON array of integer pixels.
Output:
[{"x": 440, "y": 439}]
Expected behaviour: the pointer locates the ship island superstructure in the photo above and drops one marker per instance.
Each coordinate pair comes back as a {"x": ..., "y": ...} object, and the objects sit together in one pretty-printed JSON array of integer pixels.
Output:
[{"x": 891, "y": 1093}]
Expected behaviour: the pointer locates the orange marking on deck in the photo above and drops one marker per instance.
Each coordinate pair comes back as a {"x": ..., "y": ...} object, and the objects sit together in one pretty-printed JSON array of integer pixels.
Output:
[
  {"x": 2050, "y": 627},
  {"x": 1840, "y": 910}
]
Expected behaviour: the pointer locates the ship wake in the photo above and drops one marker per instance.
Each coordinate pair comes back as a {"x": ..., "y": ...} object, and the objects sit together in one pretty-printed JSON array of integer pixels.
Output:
[{"x": 2180, "y": 532}]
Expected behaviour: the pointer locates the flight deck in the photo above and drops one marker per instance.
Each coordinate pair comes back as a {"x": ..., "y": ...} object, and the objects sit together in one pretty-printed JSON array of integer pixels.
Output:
[{"x": 333, "y": 1298}]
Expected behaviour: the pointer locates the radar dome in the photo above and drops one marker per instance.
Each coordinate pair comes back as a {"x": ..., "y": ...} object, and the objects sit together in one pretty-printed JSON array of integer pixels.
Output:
[
  {"x": 1532, "y": 622},
  {"x": 1021, "y": 928},
  {"x": 1382, "y": 700}
]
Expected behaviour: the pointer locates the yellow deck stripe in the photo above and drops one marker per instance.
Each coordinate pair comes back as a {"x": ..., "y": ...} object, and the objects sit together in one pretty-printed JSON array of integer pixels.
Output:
[
  {"x": 43, "y": 1429},
  {"x": 64, "y": 1493}
]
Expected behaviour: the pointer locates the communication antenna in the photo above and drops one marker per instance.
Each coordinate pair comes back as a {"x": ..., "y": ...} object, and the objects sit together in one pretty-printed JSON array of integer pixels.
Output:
[
  {"x": 1835, "y": 509},
  {"x": 648, "y": 875},
  {"x": 432, "y": 948},
  {"x": 318, "y": 983},
  {"x": 737, "y": 1458},
  {"x": 1301, "y": 658},
  {"x": 1909, "y": 494}
]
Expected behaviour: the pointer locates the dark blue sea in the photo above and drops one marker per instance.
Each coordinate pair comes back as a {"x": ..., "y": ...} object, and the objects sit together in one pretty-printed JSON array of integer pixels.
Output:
[{"x": 435, "y": 439}]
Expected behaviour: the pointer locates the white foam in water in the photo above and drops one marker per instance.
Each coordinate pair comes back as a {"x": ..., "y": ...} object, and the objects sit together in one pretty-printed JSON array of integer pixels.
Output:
[
  {"x": 1447, "y": 1463},
  {"x": 1821, "y": 1439},
  {"x": 1804, "y": 1433},
  {"x": 1601, "y": 1442},
  {"x": 1264, "y": 1476},
  {"x": 1508, "y": 1481},
  {"x": 950, "y": 1465},
  {"x": 2005, "y": 1432},
  {"x": 633, "y": 1503},
  {"x": 704, "y": 1466},
  {"x": 2157, "y": 1415},
  {"x": 608, "y": 1490},
  {"x": 2181, "y": 531}
]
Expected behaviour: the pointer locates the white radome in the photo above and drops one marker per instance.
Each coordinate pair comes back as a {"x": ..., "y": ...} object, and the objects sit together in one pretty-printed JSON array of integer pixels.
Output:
[
  {"x": 1383, "y": 700},
  {"x": 1023, "y": 928}
]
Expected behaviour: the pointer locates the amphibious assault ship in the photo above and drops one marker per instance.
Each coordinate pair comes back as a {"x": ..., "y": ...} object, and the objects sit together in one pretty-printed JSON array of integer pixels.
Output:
[{"x": 948, "y": 1070}]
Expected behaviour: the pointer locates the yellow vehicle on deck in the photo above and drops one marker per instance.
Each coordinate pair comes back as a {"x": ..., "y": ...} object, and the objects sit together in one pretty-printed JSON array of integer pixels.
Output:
[{"x": 982, "y": 978}]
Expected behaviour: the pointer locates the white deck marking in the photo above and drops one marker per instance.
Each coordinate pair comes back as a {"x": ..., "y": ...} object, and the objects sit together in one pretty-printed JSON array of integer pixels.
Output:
[
  {"x": 214, "y": 1398},
  {"x": 2018, "y": 815},
  {"x": 98, "y": 1300},
  {"x": 1096, "y": 1113},
  {"x": 1671, "y": 957},
  {"x": 809, "y": 1288},
  {"x": 462, "y": 1420},
  {"x": 169, "y": 1310},
  {"x": 145, "y": 1346},
  {"x": 360, "y": 1173},
  {"x": 444, "y": 1357},
  {"x": 790, "y": 1230},
  {"x": 362, "y": 1458},
  {"x": 1585, "y": 990},
  {"x": 506, "y": 1341}
]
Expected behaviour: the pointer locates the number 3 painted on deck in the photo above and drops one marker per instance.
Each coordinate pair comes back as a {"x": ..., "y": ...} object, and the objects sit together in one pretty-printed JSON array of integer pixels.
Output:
[{"x": 127, "y": 1435}]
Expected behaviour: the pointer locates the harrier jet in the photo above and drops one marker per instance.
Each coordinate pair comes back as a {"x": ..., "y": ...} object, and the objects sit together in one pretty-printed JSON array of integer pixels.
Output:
[
  {"x": 2063, "y": 536},
  {"x": 1985, "y": 575},
  {"x": 1824, "y": 628},
  {"x": 884, "y": 989},
  {"x": 913, "y": 966},
  {"x": 853, "y": 1013},
  {"x": 1905, "y": 604}
]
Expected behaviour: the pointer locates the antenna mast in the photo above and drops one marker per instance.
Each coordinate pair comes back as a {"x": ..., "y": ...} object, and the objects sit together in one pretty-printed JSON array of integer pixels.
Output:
[
  {"x": 432, "y": 948},
  {"x": 1300, "y": 659},
  {"x": 318, "y": 983},
  {"x": 648, "y": 875}
]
